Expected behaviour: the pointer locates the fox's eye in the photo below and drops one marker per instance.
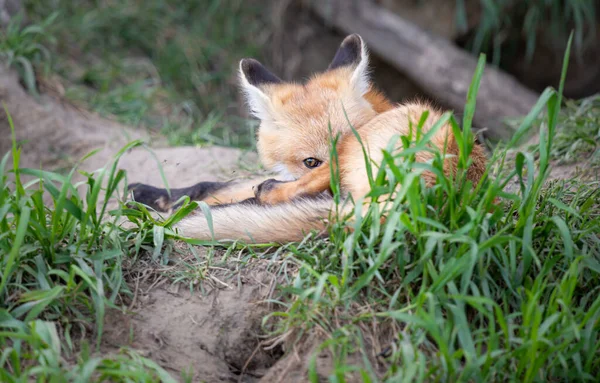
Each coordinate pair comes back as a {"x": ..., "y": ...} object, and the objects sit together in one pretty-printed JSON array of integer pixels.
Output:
[{"x": 312, "y": 162}]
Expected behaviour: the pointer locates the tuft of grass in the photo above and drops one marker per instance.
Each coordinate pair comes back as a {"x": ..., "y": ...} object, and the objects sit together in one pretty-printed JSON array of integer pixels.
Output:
[
  {"x": 34, "y": 351},
  {"x": 168, "y": 66},
  {"x": 25, "y": 47},
  {"x": 63, "y": 255},
  {"x": 578, "y": 133}
]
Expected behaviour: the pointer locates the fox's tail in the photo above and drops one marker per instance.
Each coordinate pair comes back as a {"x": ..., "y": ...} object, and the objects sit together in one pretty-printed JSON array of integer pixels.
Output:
[{"x": 288, "y": 222}]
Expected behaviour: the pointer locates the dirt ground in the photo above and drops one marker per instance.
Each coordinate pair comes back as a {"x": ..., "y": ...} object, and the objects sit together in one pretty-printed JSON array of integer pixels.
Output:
[{"x": 216, "y": 333}]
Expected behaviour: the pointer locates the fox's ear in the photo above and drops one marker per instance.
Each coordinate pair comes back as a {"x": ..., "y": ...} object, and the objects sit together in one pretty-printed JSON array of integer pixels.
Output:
[
  {"x": 353, "y": 53},
  {"x": 253, "y": 76}
]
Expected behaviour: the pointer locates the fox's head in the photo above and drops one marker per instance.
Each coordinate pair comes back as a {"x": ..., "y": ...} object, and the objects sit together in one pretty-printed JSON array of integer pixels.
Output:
[{"x": 294, "y": 136}]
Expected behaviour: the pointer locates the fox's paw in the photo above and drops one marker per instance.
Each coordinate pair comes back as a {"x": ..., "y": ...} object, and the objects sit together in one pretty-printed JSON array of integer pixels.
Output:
[
  {"x": 156, "y": 198},
  {"x": 271, "y": 192}
]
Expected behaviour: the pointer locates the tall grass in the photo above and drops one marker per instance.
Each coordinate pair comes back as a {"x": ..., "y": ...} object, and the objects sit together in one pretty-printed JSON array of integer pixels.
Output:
[{"x": 62, "y": 261}]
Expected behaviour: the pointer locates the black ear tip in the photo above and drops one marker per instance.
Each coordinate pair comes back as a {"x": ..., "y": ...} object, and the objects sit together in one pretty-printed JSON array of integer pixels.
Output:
[
  {"x": 349, "y": 52},
  {"x": 256, "y": 74},
  {"x": 353, "y": 40},
  {"x": 248, "y": 65}
]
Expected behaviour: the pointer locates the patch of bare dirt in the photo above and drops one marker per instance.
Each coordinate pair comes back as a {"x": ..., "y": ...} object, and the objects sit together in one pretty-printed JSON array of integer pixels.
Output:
[
  {"x": 183, "y": 166},
  {"x": 584, "y": 169},
  {"x": 214, "y": 336},
  {"x": 54, "y": 134},
  {"x": 294, "y": 366}
]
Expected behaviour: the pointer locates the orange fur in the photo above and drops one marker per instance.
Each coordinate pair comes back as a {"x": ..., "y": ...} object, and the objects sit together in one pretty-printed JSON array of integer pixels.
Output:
[{"x": 378, "y": 101}]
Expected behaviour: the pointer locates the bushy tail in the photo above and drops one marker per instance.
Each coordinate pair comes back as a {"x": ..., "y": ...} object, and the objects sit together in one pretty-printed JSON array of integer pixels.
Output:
[{"x": 286, "y": 222}]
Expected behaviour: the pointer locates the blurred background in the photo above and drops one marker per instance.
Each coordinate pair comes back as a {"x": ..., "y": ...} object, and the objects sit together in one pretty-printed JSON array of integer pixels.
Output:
[{"x": 170, "y": 66}]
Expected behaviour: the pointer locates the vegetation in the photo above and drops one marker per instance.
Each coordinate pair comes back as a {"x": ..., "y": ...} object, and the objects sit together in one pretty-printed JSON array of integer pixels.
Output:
[
  {"x": 24, "y": 48},
  {"x": 580, "y": 133},
  {"x": 62, "y": 268},
  {"x": 503, "y": 23},
  {"x": 167, "y": 66}
]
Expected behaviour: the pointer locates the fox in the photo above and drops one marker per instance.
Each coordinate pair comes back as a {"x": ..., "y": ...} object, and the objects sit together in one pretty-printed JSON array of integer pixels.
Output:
[{"x": 294, "y": 140}]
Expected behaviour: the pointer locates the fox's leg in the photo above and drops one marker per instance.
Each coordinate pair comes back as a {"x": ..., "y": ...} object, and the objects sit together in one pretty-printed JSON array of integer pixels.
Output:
[
  {"x": 213, "y": 193},
  {"x": 272, "y": 192},
  {"x": 233, "y": 192}
]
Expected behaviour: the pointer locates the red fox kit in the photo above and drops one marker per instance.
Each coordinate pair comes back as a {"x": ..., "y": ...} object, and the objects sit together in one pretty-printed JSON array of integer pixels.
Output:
[{"x": 297, "y": 122}]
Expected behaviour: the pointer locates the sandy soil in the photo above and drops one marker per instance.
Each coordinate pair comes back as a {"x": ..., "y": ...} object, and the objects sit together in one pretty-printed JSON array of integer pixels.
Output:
[{"x": 215, "y": 334}]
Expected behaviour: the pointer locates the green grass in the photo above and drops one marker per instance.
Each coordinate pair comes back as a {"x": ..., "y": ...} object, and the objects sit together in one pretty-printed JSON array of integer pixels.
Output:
[
  {"x": 34, "y": 351},
  {"x": 502, "y": 23},
  {"x": 579, "y": 136},
  {"x": 164, "y": 65},
  {"x": 26, "y": 48},
  {"x": 61, "y": 270}
]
